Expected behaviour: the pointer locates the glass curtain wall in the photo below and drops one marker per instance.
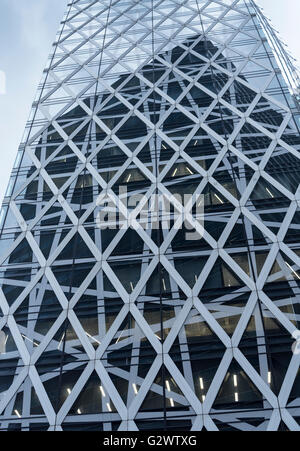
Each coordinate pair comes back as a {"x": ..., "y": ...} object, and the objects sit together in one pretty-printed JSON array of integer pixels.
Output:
[{"x": 134, "y": 328}]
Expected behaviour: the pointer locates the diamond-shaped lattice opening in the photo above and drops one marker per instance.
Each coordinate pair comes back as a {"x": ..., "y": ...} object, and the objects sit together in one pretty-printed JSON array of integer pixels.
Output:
[
  {"x": 59, "y": 385},
  {"x": 96, "y": 313},
  {"x": 165, "y": 395},
  {"x": 233, "y": 175},
  {"x": 221, "y": 279},
  {"x": 214, "y": 199},
  {"x": 238, "y": 391},
  {"x": 15, "y": 281},
  {"x": 131, "y": 244},
  {"x": 35, "y": 320},
  {"x": 264, "y": 191},
  {"x": 49, "y": 228},
  {"x": 21, "y": 254},
  {"x": 202, "y": 149},
  {"x": 190, "y": 268},
  {"x": 22, "y": 408},
  {"x": 61, "y": 364},
  {"x": 284, "y": 167},
  {"x": 128, "y": 273},
  {"x": 83, "y": 190},
  {"x": 188, "y": 239},
  {"x": 76, "y": 247},
  {"x": 267, "y": 115},
  {"x": 227, "y": 310},
  {"x": 269, "y": 346},
  {"x": 109, "y": 156},
  {"x": 93, "y": 399},
  {"x": 128, "y": 353},
  {"x": 63, "y": 162},
  {"x": 113, "y": 113},
  {"x": 245, "y": 231},
  {"x": 177, "y": 127},
  {"x": 161, "y": 301},
  {"x": 71, "y": 275},
  {"x": 160, "y": 313},
  {"x": 132, "y": 178},
  {"x": 283, "y": 270},
  {"x": 180, "y": 171},
  {"x": 197, "y": 352}
]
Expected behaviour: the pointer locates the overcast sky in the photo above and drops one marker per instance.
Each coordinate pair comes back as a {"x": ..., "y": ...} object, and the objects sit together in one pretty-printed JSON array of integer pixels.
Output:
[{"x": 27, "y": 30}]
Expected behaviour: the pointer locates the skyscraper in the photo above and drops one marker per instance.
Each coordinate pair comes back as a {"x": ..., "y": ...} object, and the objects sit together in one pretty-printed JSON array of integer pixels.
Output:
[{"x": 111, "y": 325}]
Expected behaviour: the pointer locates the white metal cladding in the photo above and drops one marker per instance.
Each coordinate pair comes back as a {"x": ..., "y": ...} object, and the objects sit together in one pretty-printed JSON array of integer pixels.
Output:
[{"x": 140, "y": 329}]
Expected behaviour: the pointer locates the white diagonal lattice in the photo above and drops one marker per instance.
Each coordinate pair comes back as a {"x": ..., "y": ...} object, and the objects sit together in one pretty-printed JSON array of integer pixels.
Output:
[{"x": 136, "y": 329}]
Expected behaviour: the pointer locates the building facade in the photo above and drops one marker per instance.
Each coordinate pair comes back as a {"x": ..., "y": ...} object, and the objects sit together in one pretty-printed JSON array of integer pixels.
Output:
[{"x": 109, "y": 324}]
